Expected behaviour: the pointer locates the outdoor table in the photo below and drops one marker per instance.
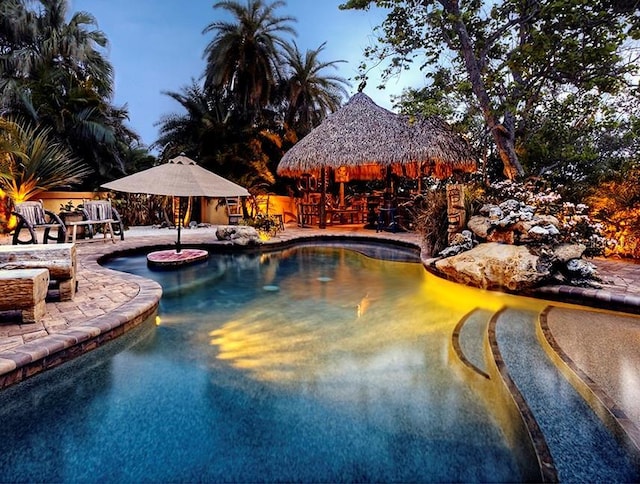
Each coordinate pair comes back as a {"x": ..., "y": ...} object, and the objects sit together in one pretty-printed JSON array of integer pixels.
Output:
[{"x": 352, "y": 215}]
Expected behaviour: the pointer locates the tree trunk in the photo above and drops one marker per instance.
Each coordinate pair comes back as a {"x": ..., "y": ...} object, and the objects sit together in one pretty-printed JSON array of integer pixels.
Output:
[
  {"x": 505, "y": 143},
  {"x": 504, "y": 138}
]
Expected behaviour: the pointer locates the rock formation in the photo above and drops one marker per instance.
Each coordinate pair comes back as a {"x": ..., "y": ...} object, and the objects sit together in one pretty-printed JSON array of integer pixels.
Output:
[
  {"x": 238, "y": 234},
  {"x": 509, "y": 246}
]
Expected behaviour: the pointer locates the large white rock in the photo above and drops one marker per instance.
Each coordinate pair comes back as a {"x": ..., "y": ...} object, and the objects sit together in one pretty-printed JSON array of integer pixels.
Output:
[
  {"x": 238, "y": 234},
  {"x": 494, "y": 266}
]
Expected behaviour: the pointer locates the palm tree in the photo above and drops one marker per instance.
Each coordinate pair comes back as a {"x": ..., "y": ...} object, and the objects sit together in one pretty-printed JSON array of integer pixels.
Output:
[
  {"x": 42, "y": 40},
  {"x": 55, "y": 74},
  {"x": 203, "y": 121},
  {"x": 309, "y": 95},
  {"x": 243, "y": 59}
]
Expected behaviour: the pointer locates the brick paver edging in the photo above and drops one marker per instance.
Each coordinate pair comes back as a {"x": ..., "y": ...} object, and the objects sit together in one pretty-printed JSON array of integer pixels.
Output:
[{"x": 57, "y": 347}]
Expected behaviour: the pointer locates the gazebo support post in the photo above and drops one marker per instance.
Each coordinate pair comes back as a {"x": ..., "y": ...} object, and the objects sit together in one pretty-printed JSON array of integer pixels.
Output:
[{"x": 322, "y": 212}]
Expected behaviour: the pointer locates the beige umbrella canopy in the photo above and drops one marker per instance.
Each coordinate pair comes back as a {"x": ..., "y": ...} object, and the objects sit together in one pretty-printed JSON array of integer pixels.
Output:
[
  {"x": 179, "y": 177},
  {"x": 366, "y": 139}
]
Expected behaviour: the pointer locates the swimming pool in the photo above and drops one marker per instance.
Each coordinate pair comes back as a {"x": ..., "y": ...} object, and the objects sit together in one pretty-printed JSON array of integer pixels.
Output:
[{"x": 314, "y": 363}]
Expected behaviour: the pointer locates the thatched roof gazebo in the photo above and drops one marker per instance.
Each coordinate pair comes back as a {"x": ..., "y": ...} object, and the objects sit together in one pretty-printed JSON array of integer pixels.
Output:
[{"x": 366, "y": 139}]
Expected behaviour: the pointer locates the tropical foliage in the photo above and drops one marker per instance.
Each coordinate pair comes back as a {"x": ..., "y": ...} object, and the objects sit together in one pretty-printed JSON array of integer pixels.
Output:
[
  {"x": 54, "y": 73},
  {"x": 258, "y": 96},
  {"x": 616, "y": 202},
  {"x": 31, "y": 161},
  {"x": 506, "y": 59},
  {"x": 243, "y": 59},
  {"x": 307, "y": 93}
]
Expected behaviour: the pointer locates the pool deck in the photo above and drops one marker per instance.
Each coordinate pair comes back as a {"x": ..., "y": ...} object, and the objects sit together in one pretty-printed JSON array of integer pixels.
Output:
[{"x": 602, "y": 347}]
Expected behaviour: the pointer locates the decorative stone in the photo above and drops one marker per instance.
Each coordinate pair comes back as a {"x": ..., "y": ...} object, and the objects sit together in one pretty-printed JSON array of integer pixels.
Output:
[
  {"x": 538, "y": 232},
  {"x": 238, "y": 234},
  {"x": 565, "y": 252},
  {"x": 459, "y": 243},
  {"x": 510, "y": 206},
  {"x": 485, "y": 209},
  {"x": 495, "y": 213},
  {"x": 581, "y": 269},
  {"x": 479, "y": 225},
  {"x": 509, "y": 263},
  {"x": 502, "y": 236},
  {"x": 526, "y": 215},
  {"x": 24, "y": 290},
  {"x": 547, "y": 220},
  {"x": 510, "y": 219},
  {"x": 494, "y": 266},
  {"x": 58, "y": 259}
]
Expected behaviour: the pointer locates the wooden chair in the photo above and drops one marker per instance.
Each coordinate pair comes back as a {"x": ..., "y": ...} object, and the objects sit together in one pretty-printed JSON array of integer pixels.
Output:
[
  {"x": 234, "y": 210},
  {"x": 100, "y": 212},
  {"x": 31, "y": 216}
]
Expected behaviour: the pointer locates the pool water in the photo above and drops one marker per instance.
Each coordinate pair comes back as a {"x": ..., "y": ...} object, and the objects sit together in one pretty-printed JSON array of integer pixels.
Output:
[{"x": 313, "y": 364}]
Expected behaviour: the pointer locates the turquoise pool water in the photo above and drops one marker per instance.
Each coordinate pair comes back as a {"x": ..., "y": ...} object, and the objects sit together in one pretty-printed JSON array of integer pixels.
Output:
[{"x": 314, "y": 364}]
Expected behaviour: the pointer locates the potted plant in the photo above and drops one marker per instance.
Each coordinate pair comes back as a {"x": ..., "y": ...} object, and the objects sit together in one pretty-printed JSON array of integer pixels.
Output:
[{"x": 72, "y": 213}]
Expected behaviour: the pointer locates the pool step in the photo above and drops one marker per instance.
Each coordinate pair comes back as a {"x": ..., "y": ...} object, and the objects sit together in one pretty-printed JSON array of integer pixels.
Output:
[
  {"x": 474, "y": 349},
  {"x": 581, "y": 447},
  {"x": 468, "y": 340}
]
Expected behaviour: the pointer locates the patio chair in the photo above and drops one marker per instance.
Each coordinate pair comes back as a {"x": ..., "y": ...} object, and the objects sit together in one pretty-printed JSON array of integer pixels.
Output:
[
  {"x": 31, "y": 216},
  {"x": 234, "y": 210},
  {"x": 101, "y": 211}
]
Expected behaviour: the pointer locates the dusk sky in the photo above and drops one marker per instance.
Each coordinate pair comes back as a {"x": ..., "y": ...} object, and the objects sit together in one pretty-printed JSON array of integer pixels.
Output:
[{"x": 157, "y": 45}]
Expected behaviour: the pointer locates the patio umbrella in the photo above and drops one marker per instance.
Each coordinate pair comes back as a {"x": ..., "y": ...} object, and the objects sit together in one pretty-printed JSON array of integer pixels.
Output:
[
  {"x": 362, "y": 140},
  {"x": 180, "y": 177}
]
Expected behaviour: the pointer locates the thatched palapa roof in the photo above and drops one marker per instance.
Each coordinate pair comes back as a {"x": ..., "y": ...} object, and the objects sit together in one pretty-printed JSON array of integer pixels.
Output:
[{"x": 367, "y": 138}]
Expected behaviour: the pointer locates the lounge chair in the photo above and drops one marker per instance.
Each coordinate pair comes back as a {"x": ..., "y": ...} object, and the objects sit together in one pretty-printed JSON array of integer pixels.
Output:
[
  {"x": 32, "y": 216},
  {"x": 101, "y": 211}
]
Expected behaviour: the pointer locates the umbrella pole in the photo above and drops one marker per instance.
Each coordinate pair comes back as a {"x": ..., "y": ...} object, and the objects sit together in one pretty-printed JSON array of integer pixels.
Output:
[{"x": 178, "y": 248}]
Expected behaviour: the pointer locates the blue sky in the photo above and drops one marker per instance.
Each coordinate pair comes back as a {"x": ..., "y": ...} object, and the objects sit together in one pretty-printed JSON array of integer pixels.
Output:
[{"x": 157, "y": 45}]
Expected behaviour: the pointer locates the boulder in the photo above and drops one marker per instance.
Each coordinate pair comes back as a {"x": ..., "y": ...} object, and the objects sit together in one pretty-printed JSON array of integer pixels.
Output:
[
  {"x": 543, "y": 232},
  {"x": 581, "y": 269},
  {"x": 495, "y": 213},
  {"x": 502, "y": 236},
  {"x": 494, "y": 266},
  {"x": 238, "y": 234},
  {"x": 511, "y": 205},
  {"x": 459, "y": 243},
  {"x": 480, "y": 226},
  {"x": 565, "y": 252},
  {"x": 547, "y": 220}
]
